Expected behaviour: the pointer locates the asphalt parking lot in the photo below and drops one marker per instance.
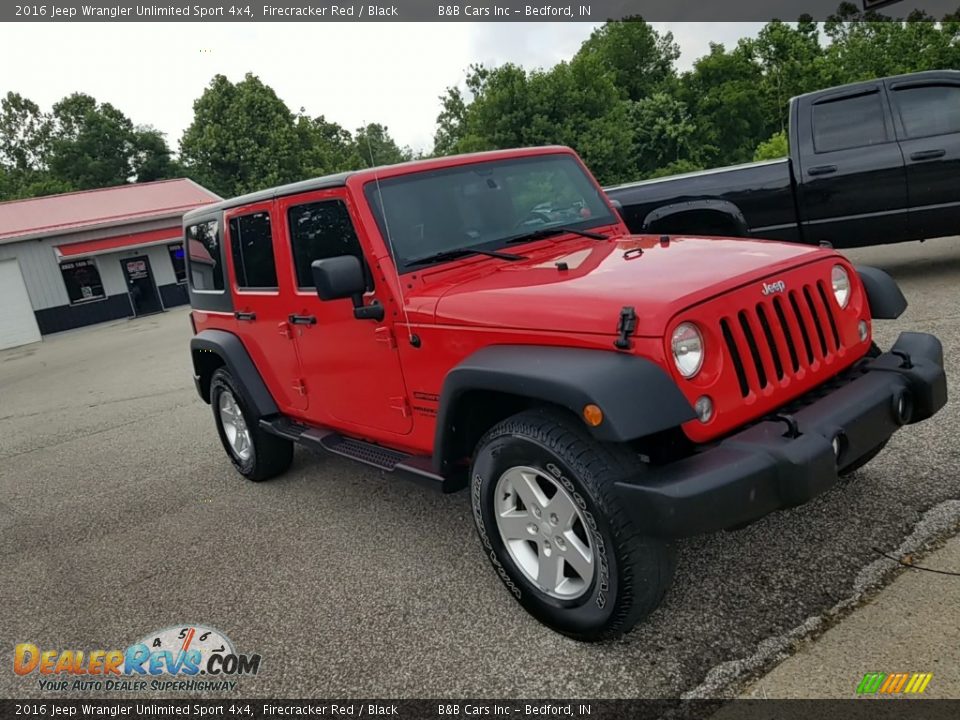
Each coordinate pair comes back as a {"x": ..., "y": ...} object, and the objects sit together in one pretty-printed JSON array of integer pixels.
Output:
[{"x": 120, "y": 515}]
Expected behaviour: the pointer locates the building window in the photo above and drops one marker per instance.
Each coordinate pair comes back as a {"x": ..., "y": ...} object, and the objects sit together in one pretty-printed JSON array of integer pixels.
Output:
[
  {"x": 82, "y": 280},
  {"x": 203, "y": 255},
  {"x": 322, "y": 230},
  {"x": 251, "y": 243},
  {"x": 176, "y": 259}
]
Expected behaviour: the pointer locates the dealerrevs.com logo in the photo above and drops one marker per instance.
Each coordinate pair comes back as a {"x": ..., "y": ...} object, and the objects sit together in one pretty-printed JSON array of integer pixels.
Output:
[{"x": 184, "y": 657}]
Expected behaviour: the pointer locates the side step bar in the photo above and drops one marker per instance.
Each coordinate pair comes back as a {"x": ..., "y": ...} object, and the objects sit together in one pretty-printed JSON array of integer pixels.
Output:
[{"x": 418, "y": 467}]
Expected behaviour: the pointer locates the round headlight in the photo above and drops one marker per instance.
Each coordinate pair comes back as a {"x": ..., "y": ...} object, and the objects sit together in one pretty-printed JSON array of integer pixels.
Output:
[
  {"x": 841, "y": 285},
  {"x": 687, "y": 345}
]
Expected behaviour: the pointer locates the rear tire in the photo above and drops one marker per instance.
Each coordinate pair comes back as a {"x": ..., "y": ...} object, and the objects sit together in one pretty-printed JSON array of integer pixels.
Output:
[
  {"x": 255, "y": 453},
  {"x": 550, "y": 522}
]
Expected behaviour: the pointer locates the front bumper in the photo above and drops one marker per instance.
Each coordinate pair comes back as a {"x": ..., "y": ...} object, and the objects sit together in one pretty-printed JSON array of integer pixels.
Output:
[{"x": 788, "y": 459}]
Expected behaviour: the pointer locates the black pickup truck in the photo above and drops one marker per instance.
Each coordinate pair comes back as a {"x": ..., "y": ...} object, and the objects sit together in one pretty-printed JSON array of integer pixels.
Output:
[{"x": 872, "y": 162}]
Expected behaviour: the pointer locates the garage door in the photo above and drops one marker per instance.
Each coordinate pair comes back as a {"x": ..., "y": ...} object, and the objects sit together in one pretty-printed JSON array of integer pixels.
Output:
[{"x": 18, "y": 324}]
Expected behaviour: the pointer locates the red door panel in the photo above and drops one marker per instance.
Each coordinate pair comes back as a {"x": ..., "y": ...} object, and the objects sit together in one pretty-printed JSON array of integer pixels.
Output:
[
  {"x": 350, "y": 367},
  {"x": 261, "y": 312}
]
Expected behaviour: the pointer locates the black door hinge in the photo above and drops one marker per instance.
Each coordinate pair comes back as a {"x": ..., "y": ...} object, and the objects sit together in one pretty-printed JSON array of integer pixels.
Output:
[{"x": 625, "y": 327}]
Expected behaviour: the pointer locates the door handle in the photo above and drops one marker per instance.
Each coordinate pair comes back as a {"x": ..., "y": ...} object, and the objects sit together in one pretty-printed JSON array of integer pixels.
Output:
[
  {"x": 822, "y": 170},
  {"x": 928, "y": 154},
  {"x": 303, "y": 319},
  {"x": 245, "y": 316}
]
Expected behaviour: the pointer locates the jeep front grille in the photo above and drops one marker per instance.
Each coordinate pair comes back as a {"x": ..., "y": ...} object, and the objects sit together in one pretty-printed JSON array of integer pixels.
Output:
[{"x": 781, "y": 337}]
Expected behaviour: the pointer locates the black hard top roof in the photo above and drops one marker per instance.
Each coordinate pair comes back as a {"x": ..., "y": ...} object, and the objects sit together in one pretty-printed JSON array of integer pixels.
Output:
[{"x": 320, "y": 183}]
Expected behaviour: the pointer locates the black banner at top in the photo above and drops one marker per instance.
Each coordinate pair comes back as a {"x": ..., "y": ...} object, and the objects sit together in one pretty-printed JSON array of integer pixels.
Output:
[{"x": 593, "y": 11}]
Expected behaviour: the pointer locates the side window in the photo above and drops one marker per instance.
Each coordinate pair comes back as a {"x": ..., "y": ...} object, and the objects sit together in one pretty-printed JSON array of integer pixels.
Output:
[
  {"x": 321, "y": 230},
  {"x": 929, "y": 110},
  {"x": 203, "y": 253},
  {"x": 251, "y": 245},
  {"x": 848, "y": 123}
]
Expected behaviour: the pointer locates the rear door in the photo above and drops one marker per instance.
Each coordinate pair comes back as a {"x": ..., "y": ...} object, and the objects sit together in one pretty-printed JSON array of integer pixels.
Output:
[
  {"x": 261, "y": 314},
  {"x": 852, "y": 183},
  {"x": 927, "y": 120}
]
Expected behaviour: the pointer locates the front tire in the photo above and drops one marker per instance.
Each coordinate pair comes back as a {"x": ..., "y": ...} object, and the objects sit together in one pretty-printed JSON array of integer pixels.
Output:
[
  {"x": 551, "y": 524},
  {"x": 255, "y": 453}
]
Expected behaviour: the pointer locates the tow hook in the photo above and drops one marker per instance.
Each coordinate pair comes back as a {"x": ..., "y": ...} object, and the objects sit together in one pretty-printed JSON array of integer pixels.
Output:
[
  {"x": 905, "y": 356},
  {"x": 793, "y": 428}
]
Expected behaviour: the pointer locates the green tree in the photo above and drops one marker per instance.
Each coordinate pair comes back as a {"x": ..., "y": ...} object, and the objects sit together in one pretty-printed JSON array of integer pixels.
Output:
[
  {"x": 662, "y": 132},
  {"x": 152, "y": 158},
  {"x": 774, "y": 148},
  {"x": 639, "y": 60},
  {"x": 326, "y": 147},
  {"x": 91, "y": 145},
  {"x": 864, "y": 46},
  {"x": 575, "y": 104},
  {"x": 24, "y": 133},
  {"x": 451, "y": 122},
  {"x": 725, "y": 95},
  {"x": 372, "y": 146},
  {"x": 242, "y": 138},
  {"x": 790, "y": 63}
]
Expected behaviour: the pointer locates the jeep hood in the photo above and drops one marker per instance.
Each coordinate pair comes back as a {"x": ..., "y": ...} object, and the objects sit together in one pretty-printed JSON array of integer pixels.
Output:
[{"x": 659, "y": 279}]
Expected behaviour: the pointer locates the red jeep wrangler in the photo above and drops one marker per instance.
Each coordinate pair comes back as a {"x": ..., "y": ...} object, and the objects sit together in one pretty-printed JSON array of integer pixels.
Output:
[{"x": 487, "y": 320}]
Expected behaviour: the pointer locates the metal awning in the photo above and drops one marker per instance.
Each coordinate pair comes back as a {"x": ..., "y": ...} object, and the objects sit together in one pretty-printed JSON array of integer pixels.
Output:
[{"x": 131, "y": 241}]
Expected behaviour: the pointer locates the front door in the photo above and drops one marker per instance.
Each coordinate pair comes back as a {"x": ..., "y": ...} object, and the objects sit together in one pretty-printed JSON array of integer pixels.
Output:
[
  {"x": 140, "y": 285},
  {"x": 927, "y": 115},
  {"x": 350, "y": 367}
]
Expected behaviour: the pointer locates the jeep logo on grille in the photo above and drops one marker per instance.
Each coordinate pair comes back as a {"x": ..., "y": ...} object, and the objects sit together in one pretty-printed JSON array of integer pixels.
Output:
[{"x": 771, "y": 288}]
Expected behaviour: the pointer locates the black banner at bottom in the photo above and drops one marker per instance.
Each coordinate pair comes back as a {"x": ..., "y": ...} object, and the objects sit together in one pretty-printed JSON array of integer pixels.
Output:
[{"x": 854, "y": 709}]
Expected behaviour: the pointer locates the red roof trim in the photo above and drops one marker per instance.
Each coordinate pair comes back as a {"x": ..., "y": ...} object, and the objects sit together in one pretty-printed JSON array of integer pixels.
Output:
[{"x": 119, "y": 242}]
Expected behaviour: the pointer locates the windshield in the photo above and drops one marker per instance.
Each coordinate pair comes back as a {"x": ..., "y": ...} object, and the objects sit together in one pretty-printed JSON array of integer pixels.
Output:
[{"x": 483, "y": 205}]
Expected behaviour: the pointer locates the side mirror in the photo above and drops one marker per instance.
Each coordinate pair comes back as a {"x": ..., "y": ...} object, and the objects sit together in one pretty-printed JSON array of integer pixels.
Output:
[
  {"x": 342, "y": 277},
  {"x": 338, "y": 277},
  {"x": 618, "y": 206}
]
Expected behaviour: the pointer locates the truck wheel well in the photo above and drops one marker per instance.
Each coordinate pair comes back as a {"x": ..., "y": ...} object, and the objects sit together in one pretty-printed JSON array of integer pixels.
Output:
[
  {"x": 205, "y": 364},
  {"x": 697, "y": 222},
  {"x": 476, "y": 412}
]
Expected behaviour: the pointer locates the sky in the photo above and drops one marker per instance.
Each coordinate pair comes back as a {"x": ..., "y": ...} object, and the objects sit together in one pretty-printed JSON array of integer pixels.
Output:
[{"x": 352, "y": 73}]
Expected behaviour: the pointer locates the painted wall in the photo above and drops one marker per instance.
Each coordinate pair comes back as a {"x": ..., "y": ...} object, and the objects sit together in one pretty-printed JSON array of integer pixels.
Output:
[{"x": 41, "y": 271}]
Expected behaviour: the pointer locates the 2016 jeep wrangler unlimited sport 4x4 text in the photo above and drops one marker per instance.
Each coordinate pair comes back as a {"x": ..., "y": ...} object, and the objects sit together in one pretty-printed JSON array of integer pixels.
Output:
[{"x": 488, "y": 321}]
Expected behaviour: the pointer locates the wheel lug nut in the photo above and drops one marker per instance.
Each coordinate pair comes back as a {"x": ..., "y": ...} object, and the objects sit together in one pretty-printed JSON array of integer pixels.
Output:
[
  {"x": 536, "y": 512},
  {"x": 532, "y": 529},
  {"x": 554, "y": 519},
  {"x": 560, "y": 543}
]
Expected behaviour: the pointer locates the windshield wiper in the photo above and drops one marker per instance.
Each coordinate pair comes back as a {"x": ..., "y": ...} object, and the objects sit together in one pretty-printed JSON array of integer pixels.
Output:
[
  {"x": 555, "y": 230},
  {"x": 461, "y": 252}
]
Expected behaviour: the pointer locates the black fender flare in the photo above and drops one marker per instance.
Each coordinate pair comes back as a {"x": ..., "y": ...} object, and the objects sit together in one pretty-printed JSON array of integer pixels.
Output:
[
  {"x": 230, "y": 349},
  {"x": 883, "y": 294},
  {"x": 637, "y": 396},
  {"x": 723, "y": 207}
]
